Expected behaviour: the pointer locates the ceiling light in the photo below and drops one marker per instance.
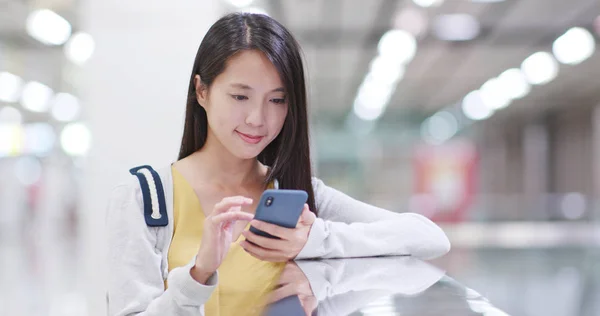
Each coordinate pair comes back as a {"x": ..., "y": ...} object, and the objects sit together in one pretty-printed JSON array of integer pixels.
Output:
[
  {"x": 398, "y": 45},
  {"x": 241, "y": 3},
  {"x": 48, "y": 27},
  {"x": 371, "y": 100},
  {"x": 75, "y": 139},
  {"x": 388, "y": 74},
  {"x": 10, "y": 87},
  {"x": 540, "y": 68},
  {"x": 439, "y": 128},
  {"x": 9, "y": 114},
  {"x": 373, "y": 92},
  {"x": 456, "y": 27},
  {"x": 80, "y": 48},
  {"x": 573, "y": 47},
  {"x": 493, "y": 95},
  {"x": 474, "y": 108},
  {"x": 513, "y": 82},
  {"x": 428, "y": 3},
  {"x": 255, "y": 10},
  {"x": 36, "y": 96},
  {"x": 366, "y": 112},
  {"x": 65, "y": 107}
]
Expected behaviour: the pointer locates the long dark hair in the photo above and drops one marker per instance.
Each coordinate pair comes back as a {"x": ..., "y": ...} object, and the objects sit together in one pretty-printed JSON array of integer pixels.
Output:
[{"x": 288, "y": 154}]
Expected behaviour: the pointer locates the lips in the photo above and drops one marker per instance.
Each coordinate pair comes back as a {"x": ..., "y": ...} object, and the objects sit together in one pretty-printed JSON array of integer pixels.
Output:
[{"x": 251, "y": 139}]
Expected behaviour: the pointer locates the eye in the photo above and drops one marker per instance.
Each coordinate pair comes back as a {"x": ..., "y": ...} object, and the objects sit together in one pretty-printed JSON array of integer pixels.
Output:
[
  {"x": 239, "y": 97},
  {"x": 278, "y": 101}
]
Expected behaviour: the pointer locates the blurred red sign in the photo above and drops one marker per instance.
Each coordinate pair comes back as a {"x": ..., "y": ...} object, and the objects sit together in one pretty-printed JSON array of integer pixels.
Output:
[{"x": 445, "y": 180}]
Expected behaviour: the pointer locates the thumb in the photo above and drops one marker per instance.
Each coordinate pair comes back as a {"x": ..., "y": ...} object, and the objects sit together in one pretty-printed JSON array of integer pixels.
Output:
[{"x": 307, "y": 217}]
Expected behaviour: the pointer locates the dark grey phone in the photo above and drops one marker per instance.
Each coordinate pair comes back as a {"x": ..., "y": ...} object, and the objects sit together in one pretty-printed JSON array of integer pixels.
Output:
[
  {"x": 289, "y": 306},
  {"x": 280, "y": 207}
]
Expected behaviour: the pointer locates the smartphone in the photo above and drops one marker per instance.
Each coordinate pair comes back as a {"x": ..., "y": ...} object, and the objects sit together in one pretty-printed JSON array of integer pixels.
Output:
[
  {"x": 289, "y": 306},
  {"x": 279, "y": 207}
]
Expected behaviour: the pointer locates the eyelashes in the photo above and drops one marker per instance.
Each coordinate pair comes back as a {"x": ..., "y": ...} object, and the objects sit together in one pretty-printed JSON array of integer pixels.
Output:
[{"x": 241, "y": 98}]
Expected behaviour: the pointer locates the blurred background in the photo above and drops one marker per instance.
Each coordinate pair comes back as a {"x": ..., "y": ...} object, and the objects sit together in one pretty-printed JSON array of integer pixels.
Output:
[{"x": 483, "y": 115}]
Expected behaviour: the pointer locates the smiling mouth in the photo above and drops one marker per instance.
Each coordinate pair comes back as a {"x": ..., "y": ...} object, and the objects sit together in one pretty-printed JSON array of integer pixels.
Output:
[{"x": 251, "y": 139}]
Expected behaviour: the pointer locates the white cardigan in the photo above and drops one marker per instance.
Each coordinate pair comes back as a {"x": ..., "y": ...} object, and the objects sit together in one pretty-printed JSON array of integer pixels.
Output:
[{"x": 137, "y": 253}]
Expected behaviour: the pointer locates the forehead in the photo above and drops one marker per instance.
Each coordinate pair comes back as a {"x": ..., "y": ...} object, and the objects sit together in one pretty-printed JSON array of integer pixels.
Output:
[{"x": 252, "y": 68}]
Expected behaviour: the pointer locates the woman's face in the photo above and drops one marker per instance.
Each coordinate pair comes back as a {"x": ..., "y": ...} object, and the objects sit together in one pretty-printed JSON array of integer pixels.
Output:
[{"x": 246, "y": 104}]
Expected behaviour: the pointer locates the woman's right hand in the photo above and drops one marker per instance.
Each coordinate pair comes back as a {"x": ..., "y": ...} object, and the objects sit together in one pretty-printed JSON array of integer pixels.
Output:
[{"x": 217, "y": 235}]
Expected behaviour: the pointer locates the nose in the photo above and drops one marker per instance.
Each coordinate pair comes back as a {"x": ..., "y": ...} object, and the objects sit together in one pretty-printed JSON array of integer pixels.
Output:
[{"x": 256, "y": 115}]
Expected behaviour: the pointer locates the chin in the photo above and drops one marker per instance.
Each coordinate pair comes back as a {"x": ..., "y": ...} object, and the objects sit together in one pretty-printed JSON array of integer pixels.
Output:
[
  {"x": 246, "y": 156},
  {"x": 246, "y": 153}
]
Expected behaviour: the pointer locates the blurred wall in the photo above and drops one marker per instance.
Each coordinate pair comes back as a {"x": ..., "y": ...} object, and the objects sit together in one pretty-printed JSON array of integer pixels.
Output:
[
  {"x": 135, "y": 86},
  {"x": 533, "y": 163}
]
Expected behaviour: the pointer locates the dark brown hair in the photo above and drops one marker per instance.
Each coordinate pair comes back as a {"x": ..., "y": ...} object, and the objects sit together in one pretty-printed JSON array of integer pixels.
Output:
[{"x": 288, "y": 154}]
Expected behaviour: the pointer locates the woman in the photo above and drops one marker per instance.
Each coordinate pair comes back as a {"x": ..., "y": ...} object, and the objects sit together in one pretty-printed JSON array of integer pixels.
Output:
[{"x": 246, "y": 130}]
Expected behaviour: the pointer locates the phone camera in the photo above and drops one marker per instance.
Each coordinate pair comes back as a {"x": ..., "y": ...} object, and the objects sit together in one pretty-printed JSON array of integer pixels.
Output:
[{"x": 269, "y": 201}]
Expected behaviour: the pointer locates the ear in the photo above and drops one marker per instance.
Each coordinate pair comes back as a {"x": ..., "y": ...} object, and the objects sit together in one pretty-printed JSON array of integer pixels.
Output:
[{"x": 201, "y": 91}]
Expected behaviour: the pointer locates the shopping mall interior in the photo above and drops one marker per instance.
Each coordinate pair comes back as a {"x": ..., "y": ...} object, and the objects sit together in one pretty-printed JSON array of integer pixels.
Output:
[{"x": 482, "y": 115}]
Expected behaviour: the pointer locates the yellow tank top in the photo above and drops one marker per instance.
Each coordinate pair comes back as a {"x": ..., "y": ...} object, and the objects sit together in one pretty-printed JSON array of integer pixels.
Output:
[{"x": 244, "y": 281}]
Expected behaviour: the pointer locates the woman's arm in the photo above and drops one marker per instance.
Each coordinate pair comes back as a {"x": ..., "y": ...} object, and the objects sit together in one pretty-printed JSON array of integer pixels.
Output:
[
  {"x": 350, "y": 228},
  {"x": 135, "y": 281}
]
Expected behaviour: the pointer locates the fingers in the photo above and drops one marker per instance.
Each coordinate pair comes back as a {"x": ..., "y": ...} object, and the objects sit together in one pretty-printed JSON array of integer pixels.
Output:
[
  {"x": 309, "y": 303},
  {"x": 264, "y": 242},
  {"x": 230, "y": 202},
  {"x": 307, "y": 217},
  {"x": 277, "y": 231},
  {"x": 262, "y": 253},
  {"x": 236, "y": 215}
]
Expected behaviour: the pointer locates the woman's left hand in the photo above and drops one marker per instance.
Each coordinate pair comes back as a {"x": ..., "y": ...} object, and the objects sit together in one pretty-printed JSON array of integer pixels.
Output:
[{"x": 291, "y": 241}]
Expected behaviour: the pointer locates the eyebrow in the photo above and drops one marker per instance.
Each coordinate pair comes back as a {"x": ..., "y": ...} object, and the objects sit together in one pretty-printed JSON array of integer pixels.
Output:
[{"x": 247, "y": 87}]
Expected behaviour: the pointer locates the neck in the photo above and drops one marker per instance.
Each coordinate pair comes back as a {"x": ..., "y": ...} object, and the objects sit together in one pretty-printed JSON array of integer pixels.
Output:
[{"x": 218, "y": 166}]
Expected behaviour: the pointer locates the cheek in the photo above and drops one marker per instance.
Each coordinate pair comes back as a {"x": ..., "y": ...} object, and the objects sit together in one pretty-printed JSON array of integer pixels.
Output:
[
  {"x": 277, "y": 118},
  {"x": 222, "y": 115}
]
